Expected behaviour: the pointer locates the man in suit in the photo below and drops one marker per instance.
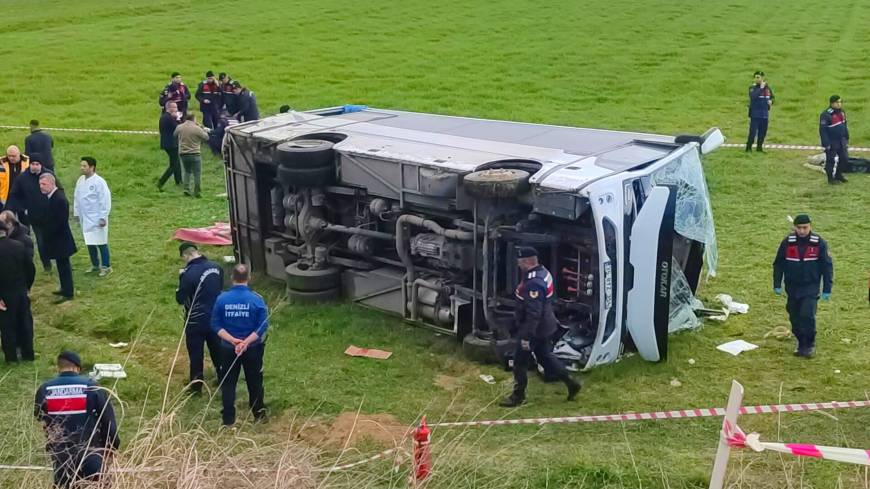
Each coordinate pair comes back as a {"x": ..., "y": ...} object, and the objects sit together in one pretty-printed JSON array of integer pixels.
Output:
[
  {"x": 16, "y": 321},
  {"x": 59, "y": 243}
]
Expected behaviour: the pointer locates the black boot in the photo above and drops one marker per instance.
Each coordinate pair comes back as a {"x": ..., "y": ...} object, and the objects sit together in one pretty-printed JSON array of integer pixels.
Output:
[
  {"x": 513, "y": 400},
  {"x": 759, "y": 148},
  {"x": 840, "y": 178},
  {"x": 573, "y": 388},
  {"x": 748, "y": 147}
]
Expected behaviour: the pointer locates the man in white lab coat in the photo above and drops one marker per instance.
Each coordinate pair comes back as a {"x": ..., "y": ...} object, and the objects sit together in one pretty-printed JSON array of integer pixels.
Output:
[{"x": 91, "y": 205}]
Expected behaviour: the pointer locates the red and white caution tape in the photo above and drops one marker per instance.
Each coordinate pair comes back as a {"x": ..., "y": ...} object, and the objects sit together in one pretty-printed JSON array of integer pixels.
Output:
[
  {"x": 334, "y": 468},
  {"x": 795, "y": 146},
  {"x": 76, "y": 129},
  {"x": 656, "y": 415},
  {"x": 737, "y": 439}
]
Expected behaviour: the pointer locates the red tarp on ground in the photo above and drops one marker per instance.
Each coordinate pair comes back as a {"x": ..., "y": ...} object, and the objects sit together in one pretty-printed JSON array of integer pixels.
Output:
[{"x": 218, "y": 235}]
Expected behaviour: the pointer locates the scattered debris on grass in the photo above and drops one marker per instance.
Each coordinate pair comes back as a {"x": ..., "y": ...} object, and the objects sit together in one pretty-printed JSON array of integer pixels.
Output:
[
  {"x": 733, "y": 306},
  {"x": 356, "y": 351},
  {"x": 736, "y": 347}
]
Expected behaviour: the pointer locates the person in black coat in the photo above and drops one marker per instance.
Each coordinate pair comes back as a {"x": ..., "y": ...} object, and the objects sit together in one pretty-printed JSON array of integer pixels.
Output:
[
  {"x": 169, "y": 120},
  {"x": 40, "y": 142},
  {"x": 199, "y": 284},
  {"x": 59, "y": 243},
  {"x": 17, "y": 232},
  {"x": 16, "y": 321},
  {"x": 247, "y": 104},
  {"x": 30, "y": 205}
]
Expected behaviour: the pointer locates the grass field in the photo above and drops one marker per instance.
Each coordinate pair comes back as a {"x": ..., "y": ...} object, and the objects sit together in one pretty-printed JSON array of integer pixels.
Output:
[{"x": 669, "y": 67}]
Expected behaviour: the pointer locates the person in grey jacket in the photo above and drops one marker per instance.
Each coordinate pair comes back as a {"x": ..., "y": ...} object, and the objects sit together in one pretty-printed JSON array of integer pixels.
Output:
[{"x": 190, "y": 136}]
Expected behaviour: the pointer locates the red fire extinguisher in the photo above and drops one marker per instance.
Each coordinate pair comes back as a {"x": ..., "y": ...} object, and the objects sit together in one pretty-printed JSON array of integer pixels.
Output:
[{"x": 422, "y": 455}]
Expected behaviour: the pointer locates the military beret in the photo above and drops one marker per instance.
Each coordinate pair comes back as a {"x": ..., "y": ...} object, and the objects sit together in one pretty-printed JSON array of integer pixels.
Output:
[
  {"x": 802, "y": 219},
  {"x": 72, "y": 357},
  {"x": 174, "y": 74},
  {"x": 185, "y": 246},
  {"x": 209, "y": 73},
  {"x": 526, "y": 252},
  {"x": 834, "y": 98}
]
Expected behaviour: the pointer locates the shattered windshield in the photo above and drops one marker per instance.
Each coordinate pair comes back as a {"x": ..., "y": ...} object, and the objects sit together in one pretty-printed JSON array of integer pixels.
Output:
[{"x": 694, "y": 215}]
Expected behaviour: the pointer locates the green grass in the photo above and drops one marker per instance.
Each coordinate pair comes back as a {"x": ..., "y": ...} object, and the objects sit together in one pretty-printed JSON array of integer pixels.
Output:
[{"x": 643, "y": 65}]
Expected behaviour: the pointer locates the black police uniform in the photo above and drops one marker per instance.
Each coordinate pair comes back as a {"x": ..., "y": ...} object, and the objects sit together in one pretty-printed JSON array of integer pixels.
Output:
[
  {"x": 79, "y": 424},
  {"x": 535, "y": 322},
  {"x": 40, "y": 142},
  {"x": 210, "y": 101},
  {"x": 803, "y": 262},
  {"x": 198, "y": 286},
  {"x": 759, "y": 114},
  {"x": 834, "y": 134}
]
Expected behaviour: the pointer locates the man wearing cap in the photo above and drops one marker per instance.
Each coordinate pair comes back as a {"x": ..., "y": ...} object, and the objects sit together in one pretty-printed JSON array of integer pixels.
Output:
[
  {"x": 30, "y": 205},
  {"x": 228, "y": 96},
  {"x": 803, "y": 261},
  {"x": 534, "y": 325},
  {"x": 79, "y": 422},
  {"x": 40, "y": 142},
  {"x": 16, "y": 278},
  {"x": 176, "y": 92},
  {"x": 760, "y": 101},
  {"x": 12, "y": 164},
  {"x": 208, "y": 92},
  {"x": 834, "y": 133},
  {"x": 240, "y": 319},
  {"x": 199, "y": 284}
]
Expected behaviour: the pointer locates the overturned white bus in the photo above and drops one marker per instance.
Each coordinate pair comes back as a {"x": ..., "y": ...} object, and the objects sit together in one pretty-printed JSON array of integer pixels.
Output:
[{"x": 419, "y": 215}]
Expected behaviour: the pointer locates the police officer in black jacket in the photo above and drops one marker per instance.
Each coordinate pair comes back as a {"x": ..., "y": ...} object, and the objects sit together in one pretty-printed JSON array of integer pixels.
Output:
[
  {"x": 804, "y": 261},
  {"x": 79, "y": 421},
  {"x": 209, "y": 95},
  {"x": 40, "y": 142},
  {"x": 834, "y": 133},
  {"x": 199, "y": 284},
  {"x": 760, "y": 101},
  {"x": 16, "y": 278},
  {"x": 535, "y": 323}
]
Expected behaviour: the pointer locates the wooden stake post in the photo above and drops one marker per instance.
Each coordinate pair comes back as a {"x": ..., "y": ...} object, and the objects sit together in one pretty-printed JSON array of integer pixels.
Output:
[{"x": 735, "y": 400}]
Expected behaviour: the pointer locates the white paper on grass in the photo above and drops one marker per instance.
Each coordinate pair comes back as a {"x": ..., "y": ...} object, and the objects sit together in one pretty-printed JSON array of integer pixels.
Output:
[{"x": 736, "y": 347}]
